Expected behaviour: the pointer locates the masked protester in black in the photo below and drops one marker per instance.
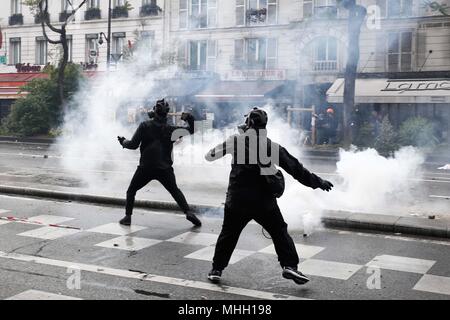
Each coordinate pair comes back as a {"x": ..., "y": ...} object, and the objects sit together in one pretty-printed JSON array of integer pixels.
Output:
[
  {"x": 155, "y": 138},
  {"x": 250, "y": 198}
]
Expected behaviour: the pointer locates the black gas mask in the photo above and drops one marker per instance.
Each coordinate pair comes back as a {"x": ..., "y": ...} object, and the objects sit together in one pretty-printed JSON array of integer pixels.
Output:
[
  {"x": 160, "y": 110},
  {"x": 255, "y": 119}
]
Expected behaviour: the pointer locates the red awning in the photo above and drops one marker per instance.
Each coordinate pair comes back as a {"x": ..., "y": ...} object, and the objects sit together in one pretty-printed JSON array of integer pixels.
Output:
[{"x": 10, "y": 83}]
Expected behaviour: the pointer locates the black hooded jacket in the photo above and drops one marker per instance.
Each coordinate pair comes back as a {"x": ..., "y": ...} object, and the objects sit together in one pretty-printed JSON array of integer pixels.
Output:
[
  {"x": 246, "y": 182},
  {"x": 155, "y": 138}
]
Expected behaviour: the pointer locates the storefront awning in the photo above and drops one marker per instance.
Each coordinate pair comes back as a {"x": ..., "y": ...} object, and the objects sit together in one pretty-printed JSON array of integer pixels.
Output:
[
  {"x": 243, "y": 90},
  {"x": 393, "y": 91}
]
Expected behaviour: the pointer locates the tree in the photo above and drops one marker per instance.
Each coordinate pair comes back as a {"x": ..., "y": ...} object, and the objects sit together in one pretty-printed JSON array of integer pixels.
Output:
[
  {"x": 40, "y": 110},
  {"x": 387, "y": 141},
  {"x": 40, "y": 8},
  {"x": 356, "y": 18}
]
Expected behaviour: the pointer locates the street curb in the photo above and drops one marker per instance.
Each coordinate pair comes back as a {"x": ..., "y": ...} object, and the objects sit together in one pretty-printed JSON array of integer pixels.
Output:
[
  {"x": 27, "y": 140},
  {"x": 331, "y": 218}
]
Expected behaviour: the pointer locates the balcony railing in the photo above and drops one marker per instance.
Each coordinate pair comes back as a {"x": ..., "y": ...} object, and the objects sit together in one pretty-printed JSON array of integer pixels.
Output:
[
  {"x": 64, "y": 15},
  {"x": 92, "y": 14},
  {"x": 16, "y": 19},
  {"x": 120, "y": 12},
  {"x": 149, "y": 10},
  {"x": 326, "y": 12},
  {"x": 256, "y": 15},
  {"x": 39, "y": 17},
  {"x": 325, "y": 66}
]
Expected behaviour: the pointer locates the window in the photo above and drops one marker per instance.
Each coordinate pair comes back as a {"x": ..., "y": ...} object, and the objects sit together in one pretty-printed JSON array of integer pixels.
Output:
[
  {"x": 41, "y": 51},
  {"x": 91, "y": 48},
  {"x": 93, "y": 3},
  {"x": 325, "y": 54},
  {"x": 256, "y": 12},
  {"x": 16, "y": 6},
  {"x": 256, "y": 53},
  {"x": 70, "y": 46},
  {"x": 15, "y": 51},
  {"x": 119, "y": 3},
  {"x": 118, "y": 43},
  {"x": 399, "y": 56},
  {"x": 395, "y": 8},
  {"x": 145, "y": 44},
  {"x": 65, "y": 6},
  {"x": 203, "y": 13},
  {"x": 200, "y": 55},
  {"x": 320, "y": 8},
  {"x": 240, "y": 13},
  {"x": 183, "y": 14}
]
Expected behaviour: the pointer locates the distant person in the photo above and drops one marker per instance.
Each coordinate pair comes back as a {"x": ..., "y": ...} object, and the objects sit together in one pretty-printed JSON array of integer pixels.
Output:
[
  {"x": 155, "y": 137},
  {"x": 331, "y": 125},
  {"x": 251, "y": 195}
]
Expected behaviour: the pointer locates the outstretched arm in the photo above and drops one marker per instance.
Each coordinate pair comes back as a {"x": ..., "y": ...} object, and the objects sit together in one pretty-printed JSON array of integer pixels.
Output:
[
  {"x": 292, "y": 166},
  {"x": 135, "y": 140},
  {"x": 221, "y": 150}
]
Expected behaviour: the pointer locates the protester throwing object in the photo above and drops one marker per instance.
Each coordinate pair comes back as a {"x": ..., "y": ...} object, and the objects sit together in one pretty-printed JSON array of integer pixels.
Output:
[{"x": 155, "y": 138}]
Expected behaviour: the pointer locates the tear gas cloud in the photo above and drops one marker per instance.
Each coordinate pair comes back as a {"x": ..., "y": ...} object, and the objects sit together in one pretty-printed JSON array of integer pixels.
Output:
[{"x": 364, "y": 180}]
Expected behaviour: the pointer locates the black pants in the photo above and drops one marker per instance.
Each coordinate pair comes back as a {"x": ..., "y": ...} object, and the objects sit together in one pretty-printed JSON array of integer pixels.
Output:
[
  {"x": 166, "y": 177},
  {"x": 268, "y": 215}
]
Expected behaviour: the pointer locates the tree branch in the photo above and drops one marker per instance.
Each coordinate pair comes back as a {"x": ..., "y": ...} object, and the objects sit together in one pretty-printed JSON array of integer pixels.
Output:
[
  {"x": 73, "y": 11},
  {"x": 44, "y": 12}
]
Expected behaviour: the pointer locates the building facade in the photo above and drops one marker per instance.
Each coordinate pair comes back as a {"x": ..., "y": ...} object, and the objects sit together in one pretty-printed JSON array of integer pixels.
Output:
[{"x": 252, "y": 51}]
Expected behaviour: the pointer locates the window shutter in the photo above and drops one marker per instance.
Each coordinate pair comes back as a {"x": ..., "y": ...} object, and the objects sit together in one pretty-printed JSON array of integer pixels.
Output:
[
  {"x": 212, "y": 55},
  {"x": 421, "y": 49},
  {"x": 272, "y": 53},
  {"x": 380, "y": 52},
  {"x": 182, "y": 53},
  {"x": 240, "y": 13}
]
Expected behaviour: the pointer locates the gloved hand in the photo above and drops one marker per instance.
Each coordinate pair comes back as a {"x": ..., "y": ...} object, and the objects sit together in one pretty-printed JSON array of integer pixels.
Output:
[
  {"x": 326, "y": 185},
  {"x": 151, "y": 114},
  {"x": 121, "y": 140},
  {"x": 186, "y": 115}
]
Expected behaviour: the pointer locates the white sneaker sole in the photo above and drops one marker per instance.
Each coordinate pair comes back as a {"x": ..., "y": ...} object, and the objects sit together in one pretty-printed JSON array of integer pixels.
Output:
[{"x": 295, "y": 277}]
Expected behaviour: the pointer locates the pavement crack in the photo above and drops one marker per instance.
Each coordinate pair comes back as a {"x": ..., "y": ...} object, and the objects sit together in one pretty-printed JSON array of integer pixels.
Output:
[
  {"x": 151, "y": 293},
  {"x": 31, "y": 273}
]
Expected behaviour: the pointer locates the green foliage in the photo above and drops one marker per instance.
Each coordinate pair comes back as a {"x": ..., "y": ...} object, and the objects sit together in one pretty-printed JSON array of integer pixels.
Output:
[
  {"x": 364, "y": 137},
  {"x": 418, "y": 131},
  {"x": 40, "y": 111},
  {"x": 387, "y": 141}
]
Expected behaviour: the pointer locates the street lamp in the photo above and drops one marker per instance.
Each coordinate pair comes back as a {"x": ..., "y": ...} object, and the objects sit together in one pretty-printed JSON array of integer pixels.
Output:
[{"x": 107, "y": 38}]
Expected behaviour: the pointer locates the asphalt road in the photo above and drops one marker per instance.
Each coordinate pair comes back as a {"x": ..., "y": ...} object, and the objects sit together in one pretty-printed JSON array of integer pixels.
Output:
[
  {"x": 40, "y": 166},
  {"x": 79, "y": 251}
]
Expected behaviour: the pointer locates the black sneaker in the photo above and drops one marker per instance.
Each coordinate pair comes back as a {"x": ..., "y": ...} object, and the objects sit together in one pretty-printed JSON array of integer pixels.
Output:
[
  {"x": 214, "y": 275},
  {"x": 293, "y": 274},
  {"x": 126, "y": 221},
  {"x": 193, "y": 218}
]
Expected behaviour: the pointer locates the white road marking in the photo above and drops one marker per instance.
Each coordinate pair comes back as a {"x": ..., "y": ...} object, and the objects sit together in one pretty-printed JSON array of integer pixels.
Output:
[
  {"x": 48, "y": 219},
  {"x": 40, "y": 295},
  {"x": 303, "y": 251},
  {"x": 128, "y": 243},
  {"x": 206, "y": 254},
  {"x": 435, "y": 284},
  {"x": 149, "y": 277},
  {"x": 390, "y": 237},
  {"x": 196, "y": 238},
  {"x": 49, "y": 233},
  {"x": 439, "y": 197},
  {"x": 117, "y": 229},
  {"x": 399, "y": 263},
  {"x": 328, "y": 269}
]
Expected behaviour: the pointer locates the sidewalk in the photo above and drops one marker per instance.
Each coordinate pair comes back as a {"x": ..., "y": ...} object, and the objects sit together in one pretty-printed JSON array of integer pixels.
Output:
[
  {"x": 334, "y": 219},
  {"x": 440, "y": 155}
]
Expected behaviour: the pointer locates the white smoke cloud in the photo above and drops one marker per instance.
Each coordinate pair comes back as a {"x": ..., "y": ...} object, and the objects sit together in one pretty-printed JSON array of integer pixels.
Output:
[{"x": 364, "y": 180}]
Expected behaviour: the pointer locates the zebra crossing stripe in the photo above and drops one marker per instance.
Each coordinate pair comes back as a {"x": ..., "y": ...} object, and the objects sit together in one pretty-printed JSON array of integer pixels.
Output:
[{"x": 149, "y": 277}]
